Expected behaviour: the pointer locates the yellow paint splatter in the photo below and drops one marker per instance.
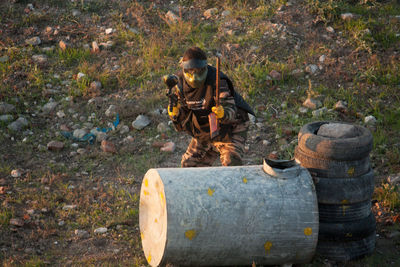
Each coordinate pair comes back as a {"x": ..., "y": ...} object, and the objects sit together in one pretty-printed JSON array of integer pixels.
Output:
[
  {"x": 308, "y": 231},
  {"x": 190, "y": 234},
  {"x": 267, "y": 246},
  {"x": 146, "y": 183},
  {"x": 344, "y": 202},
  {"x": 142, "y": 235},
  {"x": 210, "y": 191},
  {"x": 349, "y": 235},
  {"x": 350, "y": 171},
  {"x": 149, "y": 258},
  {"x": 245, "y": 180},
  {"x": 146, "y": 193},
  {"x": 162, "y": 197},
  {"x": 155, "y": 220},
  {"x": 344, "y": 208}
]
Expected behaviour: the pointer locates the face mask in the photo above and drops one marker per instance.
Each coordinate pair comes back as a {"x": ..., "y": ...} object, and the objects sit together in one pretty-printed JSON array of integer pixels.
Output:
[{"x": 195, "y": 80}]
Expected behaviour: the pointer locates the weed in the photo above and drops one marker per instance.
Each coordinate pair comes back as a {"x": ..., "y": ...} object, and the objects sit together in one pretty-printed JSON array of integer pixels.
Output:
[{"x": 388, "y": 195}]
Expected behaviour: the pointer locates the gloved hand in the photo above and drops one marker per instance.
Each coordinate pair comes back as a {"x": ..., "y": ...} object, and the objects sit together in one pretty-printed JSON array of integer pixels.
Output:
[
  {"x": 173, "y": 111},
  {"x": 219, "y": 111}
]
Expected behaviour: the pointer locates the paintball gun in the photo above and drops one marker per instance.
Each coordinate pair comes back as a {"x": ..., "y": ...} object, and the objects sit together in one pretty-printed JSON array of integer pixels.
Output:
[
  {"x": 212, "y": 118},
  {"x": 171, "y": 81}
]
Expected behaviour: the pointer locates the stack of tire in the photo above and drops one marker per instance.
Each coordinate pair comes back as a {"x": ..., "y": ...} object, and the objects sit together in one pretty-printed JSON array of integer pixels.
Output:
[{"x": 337, "y": 156}]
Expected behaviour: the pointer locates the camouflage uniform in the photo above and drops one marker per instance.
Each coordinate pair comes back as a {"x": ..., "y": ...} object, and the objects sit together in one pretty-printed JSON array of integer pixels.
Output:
[{"x": 195, "y": 105}]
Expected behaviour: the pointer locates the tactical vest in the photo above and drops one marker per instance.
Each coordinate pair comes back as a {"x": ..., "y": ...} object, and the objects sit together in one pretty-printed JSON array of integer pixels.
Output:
[{"x": 193, "y": 119}]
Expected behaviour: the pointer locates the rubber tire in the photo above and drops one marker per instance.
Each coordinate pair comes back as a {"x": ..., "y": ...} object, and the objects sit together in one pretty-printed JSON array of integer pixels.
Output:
[
  {"x": 344, "y": 213},
  {"x": 334, "y": 148},
  {"x": 329, "y": 168},
  {"x": 346, "y": 251},
  {"x": 347, "y": 231},
  {"x": 344, "y": 190}
]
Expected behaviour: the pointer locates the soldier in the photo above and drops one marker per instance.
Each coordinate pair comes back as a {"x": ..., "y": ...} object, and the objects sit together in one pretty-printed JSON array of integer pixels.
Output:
[{"x": 195, "y": 99}]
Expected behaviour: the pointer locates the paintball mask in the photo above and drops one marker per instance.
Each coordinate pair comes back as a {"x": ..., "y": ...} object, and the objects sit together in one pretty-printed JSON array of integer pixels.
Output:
[{"x": 195, "y": 72}]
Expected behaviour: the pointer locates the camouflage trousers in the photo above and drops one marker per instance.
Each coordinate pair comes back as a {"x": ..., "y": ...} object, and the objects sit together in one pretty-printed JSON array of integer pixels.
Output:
[{"x": 230, "y": 148}]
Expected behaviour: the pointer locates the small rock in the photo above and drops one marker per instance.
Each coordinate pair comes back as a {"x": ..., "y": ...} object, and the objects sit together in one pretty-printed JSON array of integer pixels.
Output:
[
  {"x": 162, "y": 127},
  {"x": 394, "y": 179},
  {"x": 210, "y": 12},
  {"x": 16, "y": 222},
  {"x": 158, "y": 144},
  {"x": 60, "y": 114},
  {"x": 111, "y": 111},
  {"x": 18, "y": 125},
  {"x": 312, "y": 103},
  {"x": 330, "y": 29},
  {"x": 101, "y": 230},
  {"x": 297, "y": 73},
  {"x": 337, "y": 130},
  {"x": 259, "y": 125},
  {"x": 3, "y": 190},
  {"x": 33, "y": 41},
  {"x": 81, "y": 233},
  {"x": 225, "y": 13},
  {"x": 172, "y": 17},
  {"x": 107, "y": 45},
  {"x": 370, "y": 120},
  {"x": 101, "y": 136},
  {"x": 109, "y": 30},
  {"x": 61, "y": 223},
  {"x": 6, "y": 118},
  {"x": 347, "y": 16},
  {"x": 252, "y": 119},
  {"x": 319, "y": 112},
  {"x": 62, "y": 45},
  {"x": 168, "y": 147},
  {"x": 322, "y": 58},
  {"x": 341, "y": 106},
  {"x": 124, "y": 129},
  {"x": 275, "y": 75},
  {"x": 273, "y": 155},
  {"x": 79, "y": 133},
  {"x": 128, "y": 139},
  {"x": 75, "y": 12},
  {"x": 81, "y": 151},
  {"x": 4, "y": 59},
  {"x": 6, "y": 108},
  {"x": 49, "y": 107},
  {"x": 108, "y": 146},
  {"x": 64, "y": 127},
  {"x": 266, "y": 143},
  {"x": 16, "y": 173},
  {"x": 55, "y": 145},
  {"x": 69, "y": 207},
  {"x": 95, "y": 47},
  {"x": 141, "y": 122},
  {"x": 80, "y": 75},
  {"x": 312, "y": 68}
]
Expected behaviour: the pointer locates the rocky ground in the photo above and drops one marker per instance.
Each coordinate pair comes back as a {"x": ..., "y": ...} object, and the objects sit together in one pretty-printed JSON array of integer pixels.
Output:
[{"x": 82, "y": 108}]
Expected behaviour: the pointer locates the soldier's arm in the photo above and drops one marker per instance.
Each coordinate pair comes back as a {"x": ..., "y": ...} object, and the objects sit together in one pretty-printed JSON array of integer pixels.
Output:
[{"x": 227, "y": 101}]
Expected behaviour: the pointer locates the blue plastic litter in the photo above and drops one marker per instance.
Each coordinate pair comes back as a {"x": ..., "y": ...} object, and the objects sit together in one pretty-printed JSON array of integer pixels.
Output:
[{"x": 115, "y": 123}]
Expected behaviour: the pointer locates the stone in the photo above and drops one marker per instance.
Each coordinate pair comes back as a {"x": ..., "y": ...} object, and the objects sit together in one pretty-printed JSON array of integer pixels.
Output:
[
  {"x": 80, "y": 75},
  {"x": 266, "y": 143},
  {"x": 252, "y": 119},
  {"x": 79, "y": 133},
  {"x": 6, "y": 108},
  {"x": 394, "y": 179},
  {"x": 101, "y": 136},
  {"x": 64, "y": 127},
  {"x": 322, "y": 58},
  {"x": 49, "y": 107},
  {"x": 60, "y": 114},
  {"x": 6, "y": 118},
  {"x": 18, "y": 125},
  {"x": 275, "y": 75},
  {"x": 124, "y": 129},
  {"x": 95, "y": 47},
  {"x": 61, "y": 223},
  {"x": 341, "y": 106},
  {"x": 312, "y": 103},
  {"x": 210, "y": 12},
  {"x": 128, "y": 139},
  {"x": 168, "y": 147},
  {"x": 107, "y": 45},
  {"x": 108, "y": 146},
  {"x": 76, "y": 12},
  {"x": 312, "y": 68},
  {"x": 347, "y": 16},
  {"x": 370, "y": 120},
  {"x": 16, "y": 222},
  {"x": 338, "y": 130},
  {"x": 259, "y": 125},
  {"x": 33, "y": 41},
  {"x": 225, "y": 13},
  {"x": 297, "y": 73},
  {"x": 69, "y": 207},
  {"x": 101, "y": 230},
  {"x": 162, "y": 127},
  {"x": 319, "y": 112},
  {"x": 111, "y": 111},
  {"x": 81, "y": 233},
  {"x": 55, "y": 145},
  {"x": 141, "y": 122},
  {"x": 4, "y": 59},
  {"x": 81, "y": 151},
  {"x": 16, "y": 173},
  {"x": 172, "y": 17},
  {"x": 109, "y": 30},
  {"x": 330, "y": 29},
  {"x": 62, "y": 45}
]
